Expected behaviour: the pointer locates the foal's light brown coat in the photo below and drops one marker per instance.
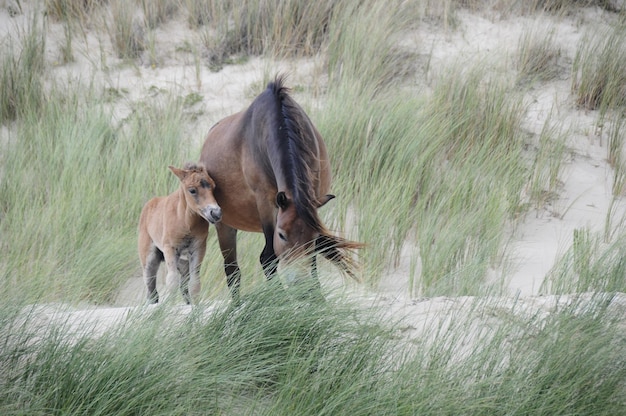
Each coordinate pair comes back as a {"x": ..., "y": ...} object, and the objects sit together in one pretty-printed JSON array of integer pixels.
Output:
[{"x": 175, "y": 226}]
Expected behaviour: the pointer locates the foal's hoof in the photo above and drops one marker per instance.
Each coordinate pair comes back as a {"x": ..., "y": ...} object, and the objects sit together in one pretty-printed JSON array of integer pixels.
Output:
[{"x": 153, "y": 299}]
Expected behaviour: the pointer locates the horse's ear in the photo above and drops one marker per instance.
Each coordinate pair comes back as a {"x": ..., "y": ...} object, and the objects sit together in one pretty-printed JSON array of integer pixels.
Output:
[
  {"x": 281, "y": 200},
  {"x": 323, "y": 200},
  {"x": 178, "y": 172}
]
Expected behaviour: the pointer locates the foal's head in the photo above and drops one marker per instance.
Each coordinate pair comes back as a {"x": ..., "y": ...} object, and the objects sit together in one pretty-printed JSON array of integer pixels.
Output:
[
  {"x": 296, "y": 230},
  {"x": 197, "y": 187}
]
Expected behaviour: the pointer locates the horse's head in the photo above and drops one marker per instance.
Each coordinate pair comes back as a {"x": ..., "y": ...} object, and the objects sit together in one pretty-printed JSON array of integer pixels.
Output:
[
  {"x": 295, "y": 236},
  {"x": 197, "y": 187}
]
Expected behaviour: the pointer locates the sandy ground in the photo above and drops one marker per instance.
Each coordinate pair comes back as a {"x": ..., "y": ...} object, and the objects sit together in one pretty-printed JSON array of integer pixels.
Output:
[{"x": 535, "y": 245}]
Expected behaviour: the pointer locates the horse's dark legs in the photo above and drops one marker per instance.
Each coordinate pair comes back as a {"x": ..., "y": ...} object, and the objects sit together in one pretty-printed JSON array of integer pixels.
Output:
[
  {"x": 316, "y": 287},
  {"x": 268, "y": 258},
  {"x": 227, "y": 237}
]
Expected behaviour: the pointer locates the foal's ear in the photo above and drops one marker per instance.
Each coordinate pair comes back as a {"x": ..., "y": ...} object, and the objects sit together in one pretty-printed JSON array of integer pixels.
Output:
[
  {"x": 178, "y": 172},
  {"x": 281, "y": 200},
  {"x": 323, "y": 200}
]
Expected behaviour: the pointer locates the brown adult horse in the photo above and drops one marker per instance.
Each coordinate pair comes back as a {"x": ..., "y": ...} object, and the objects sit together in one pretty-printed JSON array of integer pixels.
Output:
[
  {"x": 273, "y": 172},
  {"x": 174, "y": 226}
]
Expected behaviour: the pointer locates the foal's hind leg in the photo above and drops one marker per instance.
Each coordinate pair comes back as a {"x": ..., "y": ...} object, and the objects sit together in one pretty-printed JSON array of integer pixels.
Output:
[{"x": 150, "y": 268}]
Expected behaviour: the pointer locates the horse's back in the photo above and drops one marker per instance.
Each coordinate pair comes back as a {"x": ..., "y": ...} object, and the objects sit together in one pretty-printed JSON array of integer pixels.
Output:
[
  {"x": 238, "y": 155},
  {"x": 225, "y": 158}
]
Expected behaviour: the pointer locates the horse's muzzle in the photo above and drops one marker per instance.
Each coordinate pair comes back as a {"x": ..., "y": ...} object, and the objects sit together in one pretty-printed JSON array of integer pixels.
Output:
[{"x": 212, "y": 213}]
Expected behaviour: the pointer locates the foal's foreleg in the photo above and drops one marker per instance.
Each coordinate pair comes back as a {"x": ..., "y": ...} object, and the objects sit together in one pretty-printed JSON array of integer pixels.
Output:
[
  {"x": 192, "y": 290},
  {"x": 172, "y": 279}
]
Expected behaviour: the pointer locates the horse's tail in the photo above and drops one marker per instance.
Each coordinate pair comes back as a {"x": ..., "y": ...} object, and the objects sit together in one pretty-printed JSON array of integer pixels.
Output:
[{"x": 339, "y": 252}]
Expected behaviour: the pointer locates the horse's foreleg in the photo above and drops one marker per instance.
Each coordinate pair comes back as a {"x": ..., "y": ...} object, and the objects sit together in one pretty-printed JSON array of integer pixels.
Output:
[
  {"x": 316, "y": 287},
  {"x": 227, "y": 237},
  {"x": 268, "y": 258}
]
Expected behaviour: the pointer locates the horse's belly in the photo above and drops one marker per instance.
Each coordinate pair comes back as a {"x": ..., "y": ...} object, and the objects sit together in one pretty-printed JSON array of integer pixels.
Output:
[{"x": 248, "y": 222}]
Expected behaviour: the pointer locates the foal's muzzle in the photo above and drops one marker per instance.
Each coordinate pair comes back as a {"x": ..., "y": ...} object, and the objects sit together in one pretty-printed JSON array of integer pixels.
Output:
[{"x": 212, "y": 213}]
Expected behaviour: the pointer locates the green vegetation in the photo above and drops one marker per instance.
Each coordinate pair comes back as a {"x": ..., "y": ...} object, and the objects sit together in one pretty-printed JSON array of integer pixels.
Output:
[
  {"x": 68, "y": 197},
  {"x": 276, "y": 356},
  {"x": 538, "y": 56},
  {"x": 22, "y": 65},
  {"x": 599, "y": 79}
]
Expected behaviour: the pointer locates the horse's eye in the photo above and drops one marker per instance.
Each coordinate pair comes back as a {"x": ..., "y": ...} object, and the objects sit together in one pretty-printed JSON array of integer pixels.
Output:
[
  {"x": 282, "y": 236},
  {"x": 193, "y": 191}
]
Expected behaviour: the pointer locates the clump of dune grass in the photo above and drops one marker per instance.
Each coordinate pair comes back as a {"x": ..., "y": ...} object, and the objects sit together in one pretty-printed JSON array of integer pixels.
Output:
[
  {"x": 156, "y": 12},
  {"x": 599, "y": 77},
  {"x": 547, "y": 164},
  {"x": 362, "y": 46},
  {"x": 592, "y": 264},
  {"x": 568, "y": 5},
  {"x": 537, "y": 56},
  {"x": 279, "y": 28},
  {"x": 126, "y": 31},
  {"x": 22, "y": 66},
  {"x": 199, "y": 12},
  {"x": 80, "y": 10},
  {"x": 72, "y": 192}
]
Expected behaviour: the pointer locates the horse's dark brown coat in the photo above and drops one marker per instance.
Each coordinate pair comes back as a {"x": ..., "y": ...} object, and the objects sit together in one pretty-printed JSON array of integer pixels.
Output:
[{"x": 273, "y": 172}]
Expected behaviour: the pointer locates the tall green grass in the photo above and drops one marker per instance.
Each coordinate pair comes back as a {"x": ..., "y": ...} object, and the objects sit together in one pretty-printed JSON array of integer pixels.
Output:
[
  {"x": 599, "y": 79},
  {"x": 538, "y": 56},
  {"x": 73, "y": 184},
  {"x": 22, "y": 65},
  {"x": 281, "y": 28},
  {"x": 275, "y": 355},
  {"x": 448, "y": 169},
  {"x": 126, "y": 32},
  {"x": 592, "y": 264}
]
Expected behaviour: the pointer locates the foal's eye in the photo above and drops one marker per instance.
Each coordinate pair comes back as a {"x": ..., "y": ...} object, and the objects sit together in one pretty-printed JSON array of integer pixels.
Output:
[{"x": 193, "y": 191}]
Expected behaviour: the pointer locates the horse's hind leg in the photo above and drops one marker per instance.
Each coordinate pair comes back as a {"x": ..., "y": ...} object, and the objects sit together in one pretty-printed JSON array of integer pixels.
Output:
[{"x": 227, "y": 237}]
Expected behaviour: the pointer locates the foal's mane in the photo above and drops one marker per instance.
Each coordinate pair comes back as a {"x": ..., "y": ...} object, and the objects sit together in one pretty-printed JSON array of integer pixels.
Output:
[
  {"x": 297, "y": 145},
  {"x": 194, "y": 166}
]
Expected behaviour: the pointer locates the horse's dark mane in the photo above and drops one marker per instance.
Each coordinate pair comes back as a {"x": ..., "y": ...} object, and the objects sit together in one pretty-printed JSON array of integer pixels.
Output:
[{"x": 297, "y": 145}]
